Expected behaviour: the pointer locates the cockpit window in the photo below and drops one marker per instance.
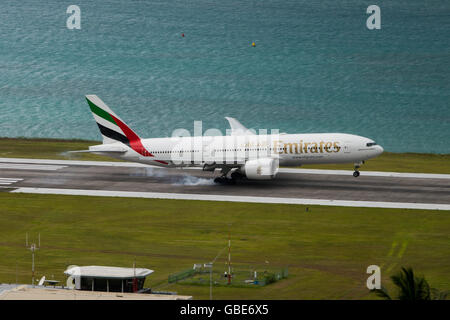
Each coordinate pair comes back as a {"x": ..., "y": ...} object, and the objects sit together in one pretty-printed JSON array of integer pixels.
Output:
[{"x": 369, "y": 144}]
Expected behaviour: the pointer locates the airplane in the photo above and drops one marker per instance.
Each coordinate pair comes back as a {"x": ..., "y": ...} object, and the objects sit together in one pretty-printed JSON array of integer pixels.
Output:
[{"x": 240, "y": 155}]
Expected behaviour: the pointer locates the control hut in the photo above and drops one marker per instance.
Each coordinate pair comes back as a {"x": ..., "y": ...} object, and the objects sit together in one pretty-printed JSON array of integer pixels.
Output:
[{"x": 109, "y": 279}]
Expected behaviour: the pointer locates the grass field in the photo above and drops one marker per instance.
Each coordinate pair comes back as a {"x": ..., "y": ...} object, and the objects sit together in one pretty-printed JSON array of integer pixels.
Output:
[
  {"x": 47, "y": 149},
  {"x": 56, "y": 149},
  {"x": 327, "y": 249}
]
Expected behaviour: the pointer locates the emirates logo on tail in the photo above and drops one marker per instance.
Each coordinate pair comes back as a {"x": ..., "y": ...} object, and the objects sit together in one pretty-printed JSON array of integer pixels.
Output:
[{"x": 113, "y": 129}]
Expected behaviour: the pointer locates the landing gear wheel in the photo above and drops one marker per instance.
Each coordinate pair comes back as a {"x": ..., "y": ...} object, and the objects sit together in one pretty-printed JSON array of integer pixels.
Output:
[
  {"x": 356, "y": 174},
  {"x": 236, "y": 176},
  {"x": 224, "y": 180},
  {"x": 220, "y": 180}
]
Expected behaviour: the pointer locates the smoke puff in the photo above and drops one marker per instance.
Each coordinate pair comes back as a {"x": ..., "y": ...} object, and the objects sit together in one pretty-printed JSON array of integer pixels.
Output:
[{"x": 177, "y": 179}]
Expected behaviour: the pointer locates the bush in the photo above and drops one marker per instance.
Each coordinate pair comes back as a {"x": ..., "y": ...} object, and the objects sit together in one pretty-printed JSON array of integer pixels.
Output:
[{"x": 270, "y": 278}]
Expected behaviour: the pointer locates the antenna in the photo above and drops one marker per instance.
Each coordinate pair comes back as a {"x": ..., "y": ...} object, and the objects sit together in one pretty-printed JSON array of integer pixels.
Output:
[
  {"x": 41, "y": 282},
  {"x": 134, "y": 279},
  {"x": 229, "y": 255},
  {"x": 33, "y": 248}
]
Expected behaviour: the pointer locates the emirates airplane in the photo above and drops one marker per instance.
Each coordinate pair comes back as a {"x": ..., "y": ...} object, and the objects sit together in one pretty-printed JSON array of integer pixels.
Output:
[{"x": 242, "y": 154}]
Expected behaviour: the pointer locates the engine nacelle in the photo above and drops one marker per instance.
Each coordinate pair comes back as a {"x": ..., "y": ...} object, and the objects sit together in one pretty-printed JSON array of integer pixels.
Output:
[{"x": 260, "y": 169}]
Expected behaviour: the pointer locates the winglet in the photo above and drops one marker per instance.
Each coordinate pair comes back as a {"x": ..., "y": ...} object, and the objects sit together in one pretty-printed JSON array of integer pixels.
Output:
[{"x": 237, "y": 128}]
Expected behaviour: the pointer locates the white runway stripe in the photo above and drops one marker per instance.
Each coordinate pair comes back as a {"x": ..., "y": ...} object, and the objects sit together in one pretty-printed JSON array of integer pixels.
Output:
[
  {"x": 182, "y": 196},
  {"x": 9, "y": 181},
  {"x": 23, "y": 166}
]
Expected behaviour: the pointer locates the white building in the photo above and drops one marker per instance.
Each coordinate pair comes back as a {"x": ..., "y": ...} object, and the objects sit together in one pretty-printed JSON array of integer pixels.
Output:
[{"x": 109, "y": 279}]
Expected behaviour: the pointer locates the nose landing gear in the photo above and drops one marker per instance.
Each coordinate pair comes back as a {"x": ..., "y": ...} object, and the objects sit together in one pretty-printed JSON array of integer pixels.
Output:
[{"x": 357, "y": 166}]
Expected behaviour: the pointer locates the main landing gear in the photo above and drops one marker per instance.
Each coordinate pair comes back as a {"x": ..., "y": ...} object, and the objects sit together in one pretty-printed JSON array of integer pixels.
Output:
[
  {"x": 232, "y": 180},
  {"x": 357, "y": 166},
  {"x": 224, "y": 180}
]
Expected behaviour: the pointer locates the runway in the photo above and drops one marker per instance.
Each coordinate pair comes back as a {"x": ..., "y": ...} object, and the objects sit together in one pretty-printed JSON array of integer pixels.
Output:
[{"x": 297, "y": 186}]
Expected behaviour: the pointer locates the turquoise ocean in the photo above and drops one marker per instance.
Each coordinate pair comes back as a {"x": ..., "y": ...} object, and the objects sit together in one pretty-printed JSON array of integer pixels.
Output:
[{"x": 315, "y": 68}]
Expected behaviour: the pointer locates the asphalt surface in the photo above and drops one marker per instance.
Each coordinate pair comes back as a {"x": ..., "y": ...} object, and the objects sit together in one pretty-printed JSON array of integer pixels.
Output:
[{"x": 286, "y": 185}]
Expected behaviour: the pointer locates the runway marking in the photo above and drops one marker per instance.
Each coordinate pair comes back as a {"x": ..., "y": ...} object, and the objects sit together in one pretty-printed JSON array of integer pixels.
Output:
[
  {"x": 282, "y": 170},
  {"x": 9, "y": 181},
  {"x": 206, "y": 197},
  {"x": 402, "y": 249},
  {"x": 20, "y": 166},
  {"x": 391, "y": 252},
  {"x": 392, "y": 264}
]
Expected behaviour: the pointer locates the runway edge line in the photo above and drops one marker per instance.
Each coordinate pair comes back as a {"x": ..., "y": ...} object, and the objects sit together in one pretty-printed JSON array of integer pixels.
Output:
[{"x": 204, "y": 197}]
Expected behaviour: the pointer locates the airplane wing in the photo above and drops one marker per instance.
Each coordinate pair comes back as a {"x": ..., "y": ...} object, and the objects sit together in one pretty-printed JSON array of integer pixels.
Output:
[{"x": 237, "y": 128}]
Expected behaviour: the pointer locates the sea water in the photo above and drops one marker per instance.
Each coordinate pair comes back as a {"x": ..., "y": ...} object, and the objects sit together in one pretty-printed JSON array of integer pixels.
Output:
[{"x": 315, "y": 67}]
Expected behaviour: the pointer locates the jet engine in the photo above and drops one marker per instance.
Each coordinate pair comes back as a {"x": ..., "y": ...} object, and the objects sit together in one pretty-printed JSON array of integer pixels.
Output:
[{"x": 260, "y": 169}]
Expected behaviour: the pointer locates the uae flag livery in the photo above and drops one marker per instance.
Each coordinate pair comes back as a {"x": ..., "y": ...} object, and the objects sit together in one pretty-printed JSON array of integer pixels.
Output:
[{"x": 113, "y": 129}]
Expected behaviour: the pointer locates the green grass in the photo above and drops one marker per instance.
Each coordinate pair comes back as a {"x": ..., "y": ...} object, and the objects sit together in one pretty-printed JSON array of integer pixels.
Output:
[
  {"x": 48, "y": 149},
  {"x": 327, "y": 249},
  {"x": 399, "y": 162},
  {"x": 56, "y": 149}
]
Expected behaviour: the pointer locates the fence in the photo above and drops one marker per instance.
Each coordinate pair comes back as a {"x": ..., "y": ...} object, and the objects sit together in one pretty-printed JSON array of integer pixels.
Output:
[
  {"x": 241, "y": 276},
  {"x": 272, "y": 277},
  {"x": 181, "y": 275}
]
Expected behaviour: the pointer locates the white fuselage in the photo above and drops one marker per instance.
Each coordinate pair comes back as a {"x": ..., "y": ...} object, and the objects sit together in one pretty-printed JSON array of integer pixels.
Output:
[{"x": 234, "y": 151}]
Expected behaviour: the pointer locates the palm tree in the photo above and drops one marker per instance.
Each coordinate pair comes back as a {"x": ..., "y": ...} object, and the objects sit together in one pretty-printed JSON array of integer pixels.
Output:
[
  {"x": 438, "y": 295},
  {"x": 411, "y": 287}
]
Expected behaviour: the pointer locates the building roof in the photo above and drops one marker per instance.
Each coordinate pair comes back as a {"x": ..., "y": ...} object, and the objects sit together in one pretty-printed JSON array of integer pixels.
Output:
[
  {"x": 107, "y": 272},
  {"x": 26, "y": 292}
]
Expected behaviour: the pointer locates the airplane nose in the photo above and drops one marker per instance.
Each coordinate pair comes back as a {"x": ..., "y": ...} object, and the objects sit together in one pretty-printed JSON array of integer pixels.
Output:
[{"x": 380, "y": 150}]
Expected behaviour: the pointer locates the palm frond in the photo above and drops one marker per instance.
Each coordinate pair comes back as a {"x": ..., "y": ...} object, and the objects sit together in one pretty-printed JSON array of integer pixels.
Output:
[
  {"x": 410, "y": 286},
  {"x": 439, "y": 295},
  {"x": 382, "y": 293}
]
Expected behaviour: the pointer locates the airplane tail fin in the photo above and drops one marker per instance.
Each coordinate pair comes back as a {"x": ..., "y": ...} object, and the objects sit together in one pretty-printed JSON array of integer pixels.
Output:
[{"x": 112, "y": 128}]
